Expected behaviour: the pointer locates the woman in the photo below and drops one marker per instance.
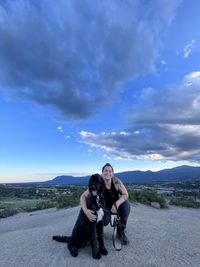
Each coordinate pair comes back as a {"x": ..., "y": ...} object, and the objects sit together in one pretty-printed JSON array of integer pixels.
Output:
[{"x": 116, "y": 197}]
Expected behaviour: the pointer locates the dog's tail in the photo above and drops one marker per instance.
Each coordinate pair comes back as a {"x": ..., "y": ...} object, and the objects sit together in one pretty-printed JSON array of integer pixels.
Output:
[{"x": 61, "y": 238}]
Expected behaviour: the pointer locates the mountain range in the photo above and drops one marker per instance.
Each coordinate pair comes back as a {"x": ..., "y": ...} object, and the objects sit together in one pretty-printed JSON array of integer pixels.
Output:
[{"x": 181, "y": 173}]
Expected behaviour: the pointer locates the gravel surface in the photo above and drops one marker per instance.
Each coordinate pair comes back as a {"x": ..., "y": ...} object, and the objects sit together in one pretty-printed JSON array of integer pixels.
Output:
[{"x": 158, "y": 238}]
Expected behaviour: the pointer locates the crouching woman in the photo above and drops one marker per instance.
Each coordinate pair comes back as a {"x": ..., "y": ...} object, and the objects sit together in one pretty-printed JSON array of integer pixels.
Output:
[{"x": 116, "y": 198}]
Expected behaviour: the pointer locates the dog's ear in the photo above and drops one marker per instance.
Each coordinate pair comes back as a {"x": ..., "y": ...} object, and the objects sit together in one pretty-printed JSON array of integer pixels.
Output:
[
  {"x": 94, "y": 178},
  {"x": 103, "y": 185},
  {"x": 102, "y": 180},
  {"x": 89, "y": 182}
]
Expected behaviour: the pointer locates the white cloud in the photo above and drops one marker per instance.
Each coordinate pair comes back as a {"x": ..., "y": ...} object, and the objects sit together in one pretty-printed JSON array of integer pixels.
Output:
[
  {"x": 188, "y": 48},
  {"x": 164, "y": 126},
  {"x": 60, "y": 129},
  {"x": 192, "y": 78},
  {"x": 86, "y": 134},
  {"x": 163, "y": 62},
  {"x": 154, "y": 156},
  {"x": 123, "y": 133},
  {"x": 106, "y": 156}
]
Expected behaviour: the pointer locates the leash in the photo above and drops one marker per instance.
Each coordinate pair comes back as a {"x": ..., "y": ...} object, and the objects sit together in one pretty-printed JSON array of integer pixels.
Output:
[{"x": 114, "y": 222}]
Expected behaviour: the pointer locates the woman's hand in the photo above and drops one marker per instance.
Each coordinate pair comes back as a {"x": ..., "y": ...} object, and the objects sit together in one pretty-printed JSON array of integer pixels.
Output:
[
  {"x": 114, "y": 209},
  {"x": 90, "y": 215}
]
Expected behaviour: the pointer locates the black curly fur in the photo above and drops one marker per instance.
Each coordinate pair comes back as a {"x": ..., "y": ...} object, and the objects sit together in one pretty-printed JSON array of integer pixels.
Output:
[
  {"x": 84, "y": 230},
  {"x": 61, "y": 238}
]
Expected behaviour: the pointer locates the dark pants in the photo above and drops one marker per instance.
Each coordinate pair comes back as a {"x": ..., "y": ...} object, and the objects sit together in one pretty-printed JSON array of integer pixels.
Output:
[{"x": 124, "y": 210}]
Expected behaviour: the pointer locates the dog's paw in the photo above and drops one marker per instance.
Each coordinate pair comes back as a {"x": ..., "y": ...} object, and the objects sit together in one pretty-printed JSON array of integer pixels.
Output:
[
  {"x": 74, "y": 251},
  {"x": 103, "y": 251},
  {"x": 97, "y": 256}
]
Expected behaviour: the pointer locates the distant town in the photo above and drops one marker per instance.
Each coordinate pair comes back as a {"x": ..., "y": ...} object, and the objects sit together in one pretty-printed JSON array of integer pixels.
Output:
[{"x": 28, "y": 198}]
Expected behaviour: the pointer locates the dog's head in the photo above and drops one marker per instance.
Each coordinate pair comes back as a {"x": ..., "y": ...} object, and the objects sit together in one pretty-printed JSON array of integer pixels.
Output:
[{"x": 96, "y": 185}]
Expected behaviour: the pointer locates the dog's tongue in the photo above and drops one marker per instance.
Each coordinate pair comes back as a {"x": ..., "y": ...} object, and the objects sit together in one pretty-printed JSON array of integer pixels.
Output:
[{"x": 94, "y": 192}]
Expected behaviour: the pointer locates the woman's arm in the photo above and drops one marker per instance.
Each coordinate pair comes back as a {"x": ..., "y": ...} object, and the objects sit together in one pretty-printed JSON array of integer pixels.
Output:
[
  {"x": 89, "y": 213},
  {"x": 123, "y": 192}
]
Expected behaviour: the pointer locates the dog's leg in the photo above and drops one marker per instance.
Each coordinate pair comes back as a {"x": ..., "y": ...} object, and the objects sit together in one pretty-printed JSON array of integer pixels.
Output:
[
  {"x": 72, "y": 246},
  {"x": 67, "y": 239},
  {"x": 100, "y": 238},
  {"x": 93, "y": 242},
  {"x": 75, "y": 241},
  {"x": 73, "y": 250}
]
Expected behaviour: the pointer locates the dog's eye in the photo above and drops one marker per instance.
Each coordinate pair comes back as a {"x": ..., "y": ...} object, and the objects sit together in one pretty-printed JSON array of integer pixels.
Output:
[{"x": 93, "y": 187}]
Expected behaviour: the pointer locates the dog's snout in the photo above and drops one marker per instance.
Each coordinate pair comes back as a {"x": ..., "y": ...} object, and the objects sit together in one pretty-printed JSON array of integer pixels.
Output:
[{"x": 93, "y": 187}]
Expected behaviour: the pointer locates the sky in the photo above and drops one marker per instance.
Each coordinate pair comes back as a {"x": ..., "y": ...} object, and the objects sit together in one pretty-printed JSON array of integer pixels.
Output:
[{"x": 87, "y": 82}]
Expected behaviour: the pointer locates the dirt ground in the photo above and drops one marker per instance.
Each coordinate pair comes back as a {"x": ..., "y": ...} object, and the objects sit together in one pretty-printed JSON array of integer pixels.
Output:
[{"x": 158, "y": 238}]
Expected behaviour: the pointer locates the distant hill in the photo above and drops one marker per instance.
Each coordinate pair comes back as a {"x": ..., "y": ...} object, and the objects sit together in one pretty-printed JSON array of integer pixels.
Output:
[
  {"x": 69, "y": 180},
  {"x": 180, "y": 173}
]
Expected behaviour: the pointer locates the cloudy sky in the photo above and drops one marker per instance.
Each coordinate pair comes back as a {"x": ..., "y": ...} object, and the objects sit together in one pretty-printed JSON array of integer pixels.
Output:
[{"x": 87, "y": 82}]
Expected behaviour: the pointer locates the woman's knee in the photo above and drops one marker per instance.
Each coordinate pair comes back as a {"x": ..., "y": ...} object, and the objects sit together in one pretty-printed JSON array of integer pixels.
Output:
[{"x": 124, "y": 209}]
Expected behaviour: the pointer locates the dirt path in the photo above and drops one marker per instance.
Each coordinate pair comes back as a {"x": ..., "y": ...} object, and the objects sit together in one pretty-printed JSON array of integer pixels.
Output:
[{"x": 159, "y": 238}]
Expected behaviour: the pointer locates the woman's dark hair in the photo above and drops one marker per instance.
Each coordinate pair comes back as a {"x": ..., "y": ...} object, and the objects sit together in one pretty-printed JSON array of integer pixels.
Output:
[{"x": 107, "y": 165}]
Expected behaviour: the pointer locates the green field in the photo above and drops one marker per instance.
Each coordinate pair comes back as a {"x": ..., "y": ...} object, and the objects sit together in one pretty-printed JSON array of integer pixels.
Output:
[
  {"x": 18, "y": 203},
  {"x": 14, "y": 199},
  {"x": 10, "y": 206}
]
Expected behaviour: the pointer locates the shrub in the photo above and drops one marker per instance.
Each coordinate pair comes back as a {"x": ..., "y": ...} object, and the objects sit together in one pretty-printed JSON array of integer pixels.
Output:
[
  {"x": 69, "y": 201},
  {"x": 189, "y": 203},
  {"x": 40, "y": 205},
  {"x": 7, "y": 212},
  {"x": 147, "y": 196}
]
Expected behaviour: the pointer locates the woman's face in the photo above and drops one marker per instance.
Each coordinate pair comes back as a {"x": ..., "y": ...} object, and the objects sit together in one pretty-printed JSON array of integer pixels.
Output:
[{"x": 107, "y": 173}]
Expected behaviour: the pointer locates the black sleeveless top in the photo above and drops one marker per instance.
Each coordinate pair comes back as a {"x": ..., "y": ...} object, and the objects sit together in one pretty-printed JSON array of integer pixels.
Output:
[{"x": 111, "y": 196}]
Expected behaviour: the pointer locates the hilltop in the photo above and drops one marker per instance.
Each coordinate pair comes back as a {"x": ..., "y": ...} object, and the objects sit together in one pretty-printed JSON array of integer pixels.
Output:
[{"x": 158, "y": 238}]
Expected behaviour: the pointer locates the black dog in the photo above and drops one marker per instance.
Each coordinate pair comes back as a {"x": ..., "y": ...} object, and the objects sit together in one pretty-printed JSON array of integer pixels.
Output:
[{"x": 84, "y": 230}]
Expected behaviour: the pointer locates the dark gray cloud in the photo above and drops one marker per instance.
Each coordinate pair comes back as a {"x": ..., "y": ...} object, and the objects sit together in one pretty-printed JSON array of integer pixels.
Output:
[
  {"x": 73, "y": 55},
  {"x": 166, "y": 126},
  {"x": 176, "y": 105}
]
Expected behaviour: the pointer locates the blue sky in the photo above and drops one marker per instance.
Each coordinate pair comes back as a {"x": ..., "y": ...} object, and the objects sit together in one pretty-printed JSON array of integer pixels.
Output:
[{"x": 83, "y": 83}]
